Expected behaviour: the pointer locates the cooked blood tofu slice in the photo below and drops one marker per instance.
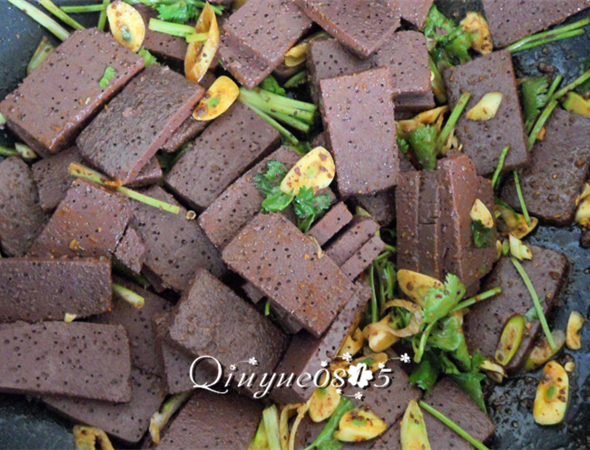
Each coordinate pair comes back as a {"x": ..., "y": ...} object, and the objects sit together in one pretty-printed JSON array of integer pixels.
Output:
[
  {"x": 558, "y": 169},
  {"x": 149, "y": 174},
  {"x": 225, "y": 150},
  {"x": 131, "y": 250},
  {"x": 449, "y": 399},
  {"x": 412, "y": 104},
  {"x": 306, "y": 353},
  {"x": 175, "y": 246},
  {"x": 363, "y": 257},
  {"x": 211, "y": 320},
  {"x": 137, "y": 322},
  {"x": 510, "y": 21},
  {"x": 381, "y": 206},
  {"x": 126, "y": 421},
  {"x": 483, "y": 140},
  {"x": 90, "y": 221},
  {"x": 258, "y": 35},
  {"x": 215, "y": 422},
  {"x": 413, "y": 11},
  {"x": 21, "y": 217},
  {"x": 241, "y": 201},
  {"x": 78, "y": 359},
  {"x": 359, "y": 231},
  {"x": 331, "y": 223},
  {"x": 282, "y": 262},
  {"x": 362, "y": 26},
  {"x": 358, "y": 115},
  {"x": 127, "y": 134},
  {"x": 484, "y": 324},
  {"x": 56, "y": 101},
  {"x": 35, "y": 289}
]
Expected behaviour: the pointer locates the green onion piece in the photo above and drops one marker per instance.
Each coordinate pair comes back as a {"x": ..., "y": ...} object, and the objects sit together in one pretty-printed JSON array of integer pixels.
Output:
[
  {"x": 174, "y": 29},
  {"x": 25, "y": 151},
  {"x": 128, "y": 295},
  {"x": 541, "y": 122},
  {"x": 43, "y": 51},
  {"x": 270, "y": 416},
  {"x": 5, "y": 151},
  {"x": 525, "y": 212},
  {"x": 41, "y": 18},
  {"x": 548, "y": 34},
  {"x": 571, "y": 86},
  {"x": 554, "y": 85},
  {"x": 453, "y": 426},
  {"x": 77, "y": 9},
  {"x": 296, "y": 80},
  {"x": 374, "y": 306},
  {"x": 297, "y": 104},
  {"x": 197, "y": 37},
  {"x": 500, "y": 166},
  {"x": 272, "y": 104},
  {"x": 453, "y": 118},
  {"x": 78, "y": 170},
  {"x": 53, "y": 9},
  {"x": 536, "y": 301},
  {"x": 161, "y": 418},
  {"x": 281, "y": 129},
  {"x": 102, "y": 18},
  {"x": 478, "y": 298},
  {"x": 560, "y": 37},
  {"x": 267, "y": 307}
]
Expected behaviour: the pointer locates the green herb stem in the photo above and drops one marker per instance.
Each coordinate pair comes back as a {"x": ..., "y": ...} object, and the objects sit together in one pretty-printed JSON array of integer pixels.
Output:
[
  {"x": 547, "y": 34},
  {"x": 128, "y": 295},
  {"x": 541, "y": 122},
  {"x": 281, "y": 129},
  {"x": 536, "y": 301},
  {"x": 374, "y": 306},
  {"x": 525, "y": 211},
  {"x": 452, "y": 121},
  {"x": 25, "y": 151},
  {"x": 290, "y": 120},
  {"x": 77, "y": 9},
  {"x": 453, "y": 426},
  {"x": 78, "y": 170},
  {"x": 41, "y": 18},
  {"x": 500, "y": 166},
  {"x": 174, "y": 29},
  {"x": 438, "y": 84},
  {"x": 43, "y": 51},
  {"x": 6, "y": 151},
  {"x": 567, "y": 35},
  {"x": 102, "y": 18},
  {"x": 197, "y": 37},
  {"x": 270, "y": 416},
  {"x": 2, "y": 120},
  {"x": 554, "y": 85},
  {"x": 571, "y": 86},
  {"x": 161, "y": 417},
  {"x": 296, "y": 80},
  {"x": 272, "y": 103},
  {"x": 478, "y": 298},
  {"x": 54, "y": 9},
  {"x": 279, "y": 99}
]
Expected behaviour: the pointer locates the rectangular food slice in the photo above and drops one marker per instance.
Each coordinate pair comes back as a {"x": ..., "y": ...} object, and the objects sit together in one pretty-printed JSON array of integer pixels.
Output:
[
  {"x": 484, "y": 140},
  {"x": 89, "y": 222},
  {"x": 211, "y": 320},
  {"x": 131, "y": 250},
  {"x": 412, "y": 104},
  {"x": 306, "y": 353},
  {"x": 484, "y": 324},
  {"x": 225, "y": 150},
  {"x": 56, "y": 101},
  {"x": 137, "y": 322},
  {"x": 127, "y": 134},
  {"x": 215, "y": 422},
  {"x": 35, "y": 289},
  {"x": 125, "y": 421},
  {"x": 258, "y": 35},
  {"x": 358, "y": 115},
  {"x": 78, "y": 359},
  {"x": 558, "y": 169},
  {"x": 175, "y": 246},
  {"x": 241, "y": 201},
  {"x": 21, "y": 217},
  {"x": 359, "y": 231},
  {"x": 331, "y": 223},
  {"x": 413, "y": 11},
  {"x": 511, "y": 21},
  {"x": 149, "y": 174},
  {"x": 282, "y": 262},
  {"x": 381, "y": 206},
  {"x": 362, "y": 26},
  {"x": 363, "y": 257},
  {"x": 449, "y": 399}
]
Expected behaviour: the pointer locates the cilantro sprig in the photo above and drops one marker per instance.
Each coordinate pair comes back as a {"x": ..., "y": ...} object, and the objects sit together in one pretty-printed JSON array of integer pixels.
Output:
[
  {"x": 534, "y": 97},
  {"x": 306, "y": 204},
  {"x": 109, "y": 74},
  {"x": 482, "y": 236},
  {"x": 179, "y": 11}
]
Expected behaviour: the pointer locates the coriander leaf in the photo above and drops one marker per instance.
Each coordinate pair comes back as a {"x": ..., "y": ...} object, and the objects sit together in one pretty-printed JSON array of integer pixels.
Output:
[
  {"x": 470, "y": 382},
  {"x": 477, "y": 360},
  {"x": 276, "y": 171},
  {"x": 534, "y": 97},
  {"x": 447, "y": 335},
  {"x": 403, "y": 146},
  {"x": 447, "y": 366},
  {"x": 423, "y": 141},
  {"x": 425, "y": 374},
  {"x": 307, "y": 206},
  {"x": 437, "y": 26},
  {"x": 147, "y": 56},
  {"x": 180, "y": 12},
  {"x": 109, "y": 74},
  {"x": 461, "y": 355},
  {"x": 303, "y": 148},
  {"x": 276, "y": 202},
  {"x": 270, "y": 84},
  {"x": 482, "y": 235},
  {"x": 438, "y": 302},
  {"x": 325, "y": 440}
]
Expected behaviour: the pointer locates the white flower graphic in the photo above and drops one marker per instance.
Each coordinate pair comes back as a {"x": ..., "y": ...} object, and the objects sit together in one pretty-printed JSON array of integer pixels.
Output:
[
  {"x": 405, "y": 358},
  {"x": 233, "y": 367},
  {"x": 253, "y": 362},
  {"x": 324, "y": 364},
  {"x": 339, "y": 391},
  {"x": 347, "y": 357},
  {"x": 358, "y": 396},
  {"x": 382, "y": 365},
  {"x": 359, "y": 375}
]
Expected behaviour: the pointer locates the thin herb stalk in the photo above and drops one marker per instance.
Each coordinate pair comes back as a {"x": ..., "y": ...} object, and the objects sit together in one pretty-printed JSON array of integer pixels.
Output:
[
  {"x": 77, "y": 9},
  {"x": 478, "y": 298},
  {"x": 547, "y": 34},
  {"x": 298, "y": 104},
  {"x": 452, "y": 121},
  {"x": 292, "y": 121},
  {"x": 41, "y": 18},
  {"x": 43, "y": 51},
  {"x": 296, "y": 80},
  {"x": 281, "y": 129},
  {"x": 571, "y": 86},
  {"x": 374, "y": 307},
  {"x": 271, "y": 424},
  {"x": 174, "y": 29},
  {"x": 5, "y": 151},
  {"x": 560, "y": 37},
  {"x": 536, "y": 302},
  {"x": 275, "y": 104},
  {"x": 541, "y": 122},
  {"x": 102, "y": 18},
  {"x": 500, "y": 166},
  {"x": 53, "y": 9},
  {"x": 78, "y": 170},
  {"x": 161, "y": 417},
  {"x": 453, "y": 426},
  {"x": 525, "y": 211},
  {"x": 134, "y": 299},
  {"x": 554, "y": 85}
]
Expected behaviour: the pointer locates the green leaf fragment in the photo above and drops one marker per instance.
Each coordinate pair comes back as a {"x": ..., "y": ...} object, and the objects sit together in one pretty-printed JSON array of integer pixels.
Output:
[
  {"x": 109, "y": 74},
  {"x": 482, "y": 236},
  {"x": 272, "y": 85}
]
